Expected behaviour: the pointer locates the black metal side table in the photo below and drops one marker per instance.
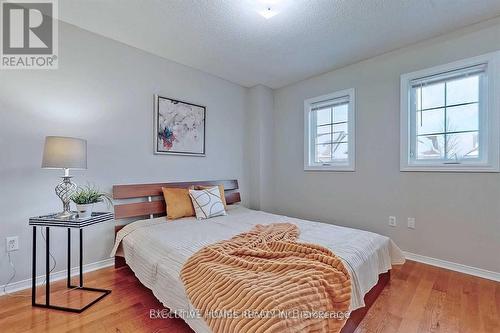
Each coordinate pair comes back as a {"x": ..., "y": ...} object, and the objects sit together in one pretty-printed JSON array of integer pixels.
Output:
[{"x": 49, "y": 221}]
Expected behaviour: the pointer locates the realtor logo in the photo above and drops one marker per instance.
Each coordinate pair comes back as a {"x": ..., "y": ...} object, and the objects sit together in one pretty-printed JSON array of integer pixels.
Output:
[{"x": 29, "y": 34}]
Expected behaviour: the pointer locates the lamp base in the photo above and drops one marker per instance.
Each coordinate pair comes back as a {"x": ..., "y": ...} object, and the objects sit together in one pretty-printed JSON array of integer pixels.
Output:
[{"x": 64, "y": 191}]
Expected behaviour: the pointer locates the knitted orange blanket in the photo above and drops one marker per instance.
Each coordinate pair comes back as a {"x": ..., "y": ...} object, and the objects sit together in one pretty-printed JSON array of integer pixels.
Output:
[{"x": 265, "y": 281}]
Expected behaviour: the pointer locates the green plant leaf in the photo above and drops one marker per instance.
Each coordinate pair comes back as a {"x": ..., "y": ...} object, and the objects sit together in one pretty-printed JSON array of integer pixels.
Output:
[{"x": 85, "y": 195}]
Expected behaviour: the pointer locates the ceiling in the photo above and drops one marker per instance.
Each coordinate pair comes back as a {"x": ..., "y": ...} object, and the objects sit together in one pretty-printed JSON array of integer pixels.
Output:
[{"x": 229, "y": 39}]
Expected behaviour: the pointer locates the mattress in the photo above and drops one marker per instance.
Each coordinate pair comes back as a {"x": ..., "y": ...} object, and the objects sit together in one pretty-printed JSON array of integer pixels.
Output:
[{"x": 156, "y": 251}]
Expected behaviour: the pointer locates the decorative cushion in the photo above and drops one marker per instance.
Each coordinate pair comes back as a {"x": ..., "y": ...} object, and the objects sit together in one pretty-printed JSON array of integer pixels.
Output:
[
  {"x": 221, "y": 191},
  {"x": 207, "y": 202},
  {"x": 178, "y": 202}
]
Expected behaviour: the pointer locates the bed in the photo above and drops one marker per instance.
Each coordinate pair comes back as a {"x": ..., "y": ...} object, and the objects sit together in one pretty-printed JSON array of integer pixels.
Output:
[{"x": 155, "y": 250}]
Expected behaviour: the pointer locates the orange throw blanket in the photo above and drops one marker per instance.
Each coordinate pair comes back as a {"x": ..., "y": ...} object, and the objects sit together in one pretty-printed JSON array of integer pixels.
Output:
[{"x": 265, "y": 281}]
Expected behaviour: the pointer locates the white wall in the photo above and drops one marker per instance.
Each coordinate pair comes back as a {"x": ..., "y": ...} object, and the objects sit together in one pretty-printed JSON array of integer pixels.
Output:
[
  {"x": 457, "y": 215},
  {"x": 103, "y": 92},
  {"x": 258, "y": 151}
]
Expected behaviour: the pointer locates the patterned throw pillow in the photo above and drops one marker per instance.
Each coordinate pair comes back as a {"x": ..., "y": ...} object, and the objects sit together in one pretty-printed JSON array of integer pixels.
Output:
[
  {"x": 221, "y": 190},
  {"x": 207, "y": 203}
]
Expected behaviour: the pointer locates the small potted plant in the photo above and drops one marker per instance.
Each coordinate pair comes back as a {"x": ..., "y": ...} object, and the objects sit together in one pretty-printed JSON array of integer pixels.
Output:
[{"x": 85, "y": 198}]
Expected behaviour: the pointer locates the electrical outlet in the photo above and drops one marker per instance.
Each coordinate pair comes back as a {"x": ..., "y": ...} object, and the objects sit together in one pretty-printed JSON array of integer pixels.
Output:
[
  {"x": 12, "y": 243},
  {"x": 411, "y": 222},
  {"x": 392, "y": 221}
]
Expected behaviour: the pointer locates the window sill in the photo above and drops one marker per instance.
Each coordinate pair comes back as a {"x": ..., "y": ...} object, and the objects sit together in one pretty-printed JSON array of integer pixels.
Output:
[
  {"x": 330, "y": 168},
  {"x": 450, "y": 168}
]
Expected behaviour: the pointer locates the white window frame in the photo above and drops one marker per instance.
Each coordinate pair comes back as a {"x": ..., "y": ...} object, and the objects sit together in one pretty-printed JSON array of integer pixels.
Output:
[
  {"x": 349, "y": 165},
  {"x": 489, "y": 125}
]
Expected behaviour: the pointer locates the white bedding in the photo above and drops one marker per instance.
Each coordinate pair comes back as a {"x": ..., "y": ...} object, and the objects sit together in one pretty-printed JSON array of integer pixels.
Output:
[{"x": 156, "y": 251}]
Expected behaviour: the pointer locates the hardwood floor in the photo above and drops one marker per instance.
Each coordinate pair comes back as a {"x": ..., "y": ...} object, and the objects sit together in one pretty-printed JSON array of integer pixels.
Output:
[{"x": 419, "y": 298}]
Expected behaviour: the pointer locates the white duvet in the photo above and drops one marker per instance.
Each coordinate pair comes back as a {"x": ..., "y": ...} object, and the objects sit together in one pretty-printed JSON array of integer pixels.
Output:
[{"x": 156, "y": 250}]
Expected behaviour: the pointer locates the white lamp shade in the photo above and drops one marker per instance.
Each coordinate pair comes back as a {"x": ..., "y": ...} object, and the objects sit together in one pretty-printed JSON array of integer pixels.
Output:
[{"x": 62, "y": 152}]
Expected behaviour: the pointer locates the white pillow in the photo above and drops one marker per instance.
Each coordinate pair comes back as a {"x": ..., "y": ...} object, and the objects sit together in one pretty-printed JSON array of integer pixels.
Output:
[{"x": 207, "y": 203}]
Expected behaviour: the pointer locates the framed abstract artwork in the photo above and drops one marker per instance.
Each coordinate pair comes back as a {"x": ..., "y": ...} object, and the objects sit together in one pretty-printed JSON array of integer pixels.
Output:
[{"x": 179, "y": 127}]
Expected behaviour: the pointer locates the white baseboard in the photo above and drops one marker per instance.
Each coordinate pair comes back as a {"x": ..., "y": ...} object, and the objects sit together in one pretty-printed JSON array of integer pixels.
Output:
[
  {"x": 483, "y": 273},
  {"x": 25, "y": 284}
]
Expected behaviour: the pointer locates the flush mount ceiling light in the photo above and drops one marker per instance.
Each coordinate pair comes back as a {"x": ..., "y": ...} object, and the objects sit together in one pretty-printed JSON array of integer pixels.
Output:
[
  {"x": 268, "y": 13},
  {"x": 268, "y": 8}
]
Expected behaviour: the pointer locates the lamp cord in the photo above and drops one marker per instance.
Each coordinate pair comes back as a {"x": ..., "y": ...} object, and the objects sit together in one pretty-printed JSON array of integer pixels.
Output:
[{"x": 14, "y": 272}]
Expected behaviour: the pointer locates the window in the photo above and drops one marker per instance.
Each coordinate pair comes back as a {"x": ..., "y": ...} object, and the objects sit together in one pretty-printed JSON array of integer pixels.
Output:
[
  {"x": 329, "y": 132},
  {"x": 449, "y": 117}
]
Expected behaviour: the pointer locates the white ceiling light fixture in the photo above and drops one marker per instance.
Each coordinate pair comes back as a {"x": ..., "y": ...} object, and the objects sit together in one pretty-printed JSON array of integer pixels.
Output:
[
  {"x": 268, "y": 13},
  {"x": 269, "y": 8}
]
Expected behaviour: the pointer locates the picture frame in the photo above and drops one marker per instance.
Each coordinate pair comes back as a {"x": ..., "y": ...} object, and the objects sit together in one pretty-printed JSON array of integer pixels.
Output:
[{"x": 179, "y": 127}]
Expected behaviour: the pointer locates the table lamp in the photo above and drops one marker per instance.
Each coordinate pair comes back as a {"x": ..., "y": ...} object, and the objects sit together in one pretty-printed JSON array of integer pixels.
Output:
[{"x": 65, "y": 153}]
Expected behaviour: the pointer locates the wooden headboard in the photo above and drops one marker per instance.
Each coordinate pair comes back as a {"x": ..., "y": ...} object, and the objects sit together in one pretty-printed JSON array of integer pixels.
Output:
[
  {"x": 153, "y": 191},
  {"x": 151, "y": 203}
]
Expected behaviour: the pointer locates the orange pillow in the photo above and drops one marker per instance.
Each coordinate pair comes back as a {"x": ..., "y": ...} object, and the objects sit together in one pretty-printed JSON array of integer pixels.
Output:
[
  {"x": 221, "y": 191},
  {"x": 178, "y": 202}
]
